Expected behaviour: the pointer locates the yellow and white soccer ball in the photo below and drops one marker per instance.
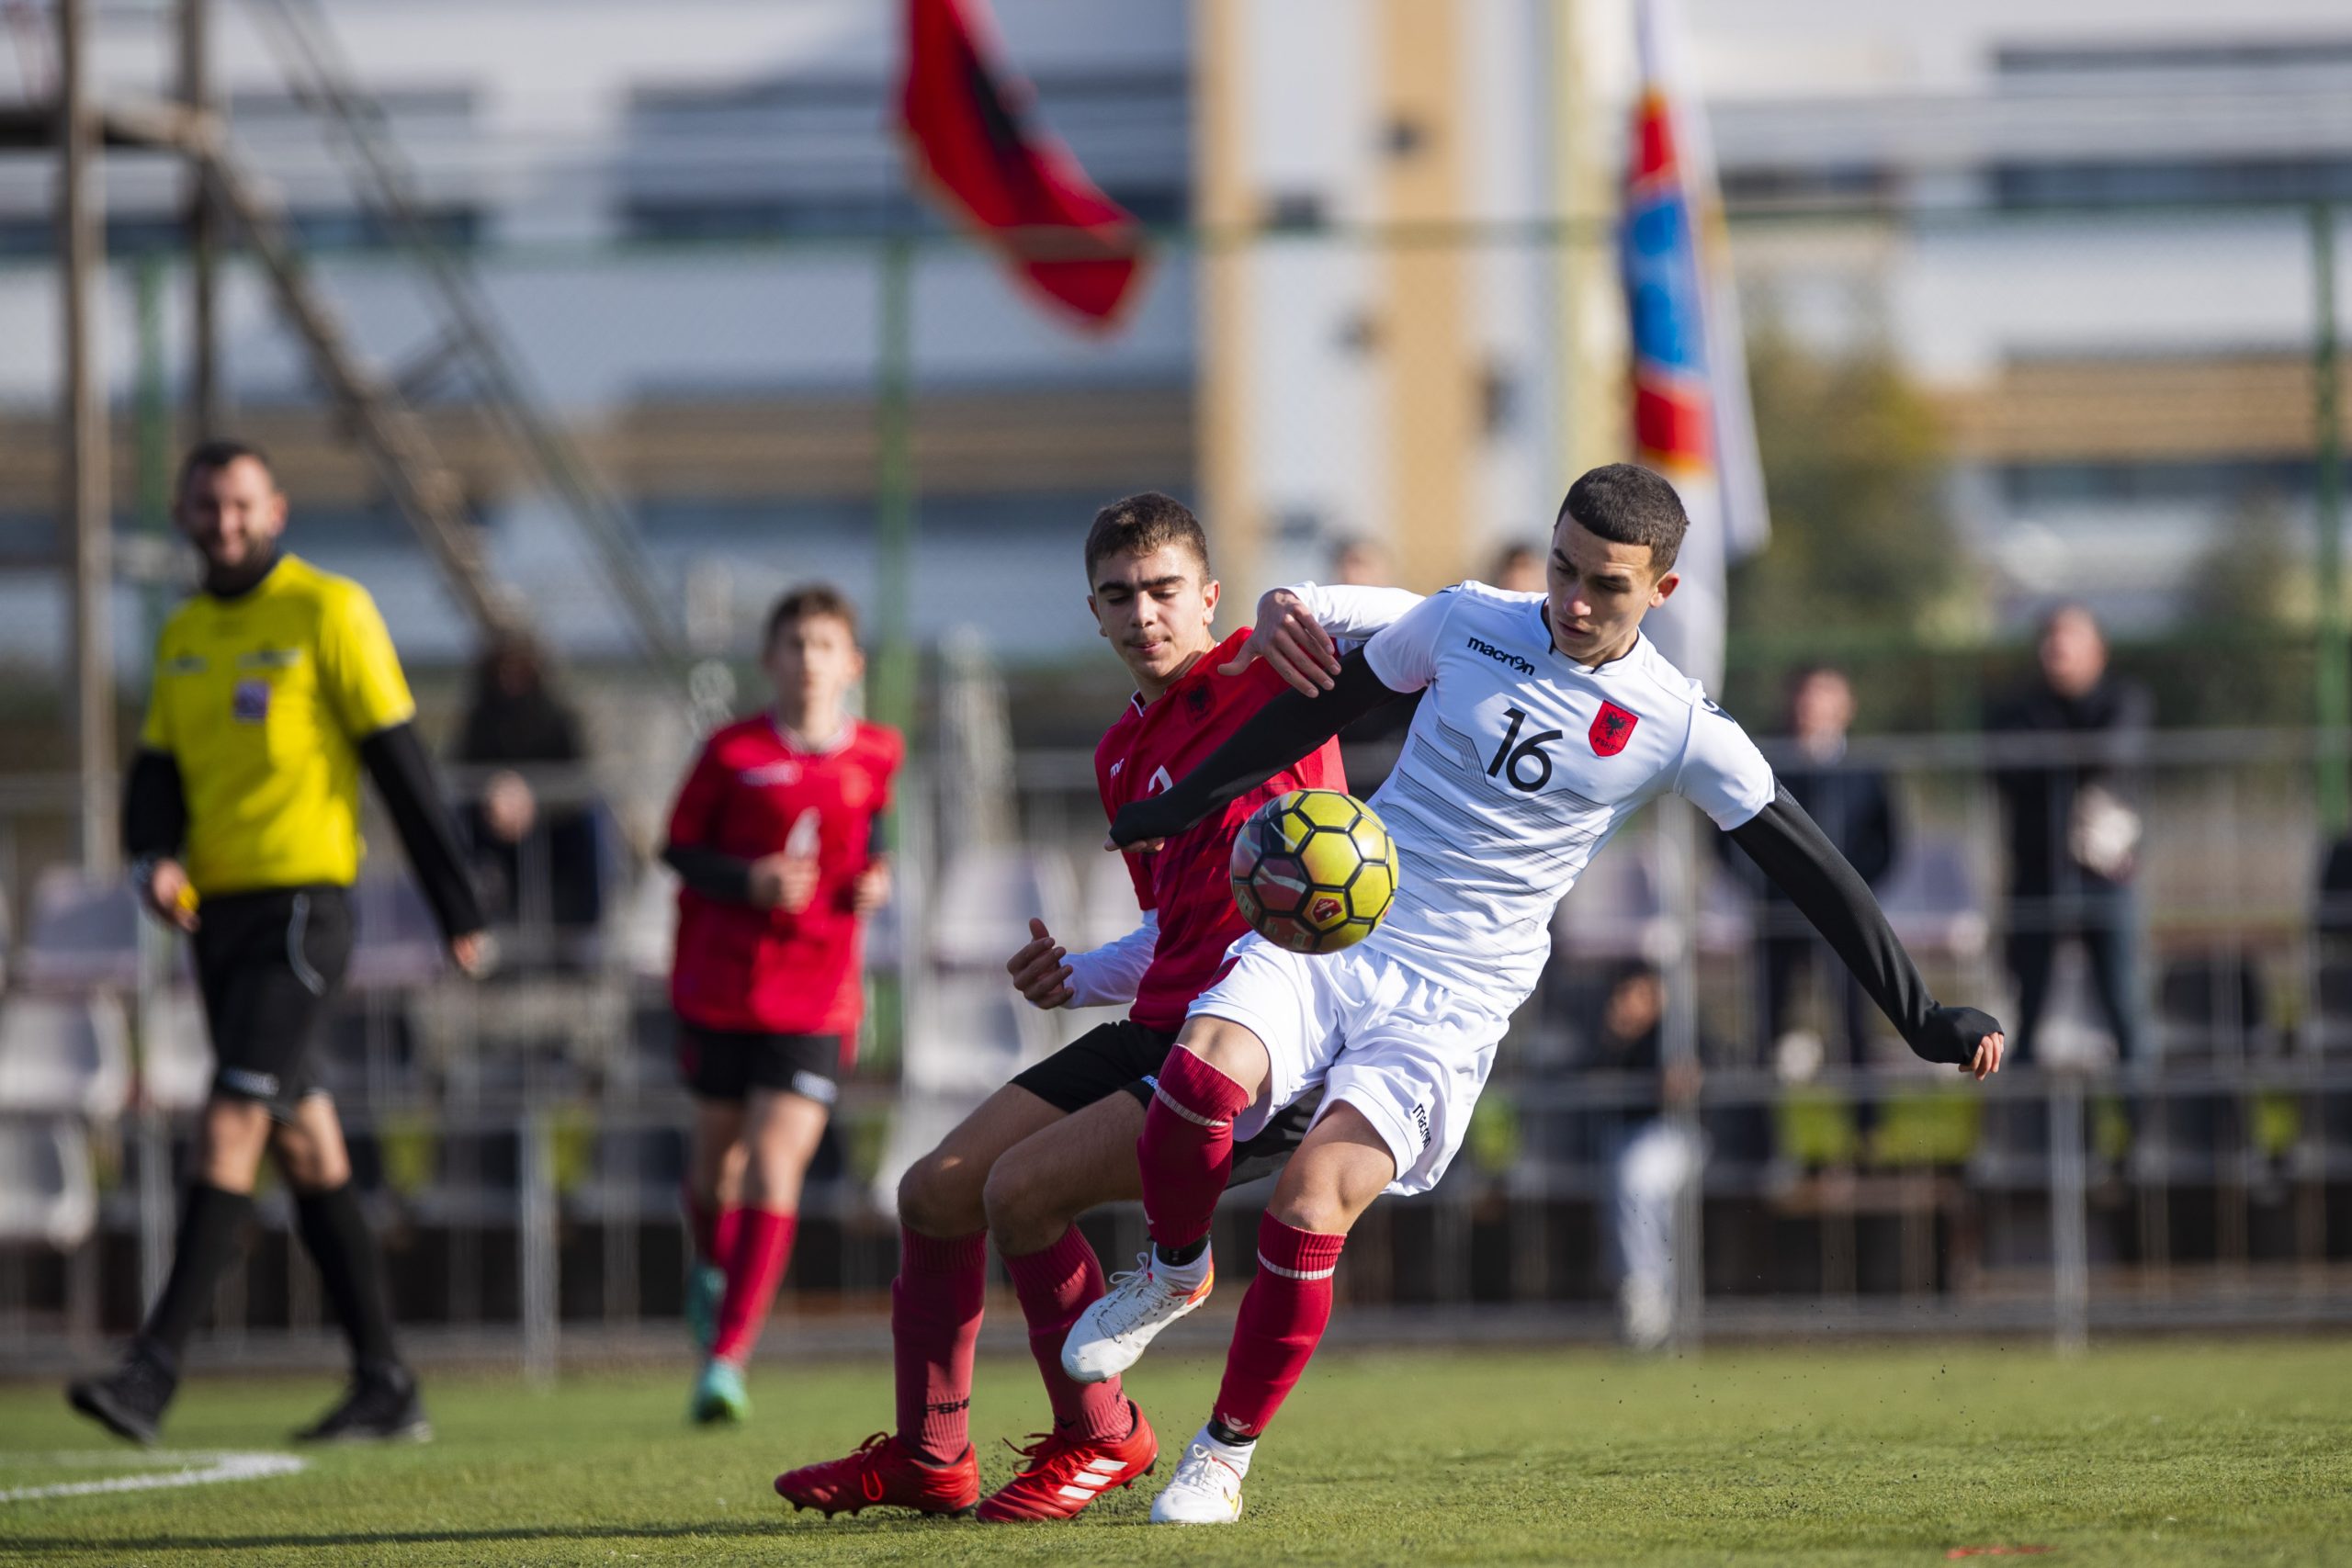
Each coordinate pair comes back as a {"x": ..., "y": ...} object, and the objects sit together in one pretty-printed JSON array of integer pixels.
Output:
[{"x": 1313, "y": 871}]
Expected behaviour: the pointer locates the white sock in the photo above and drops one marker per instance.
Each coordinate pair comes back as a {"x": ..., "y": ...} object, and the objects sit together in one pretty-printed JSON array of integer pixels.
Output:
[
  {"x": 1183, "y": 1276},
  {"x": 1237, "y": 1455}
]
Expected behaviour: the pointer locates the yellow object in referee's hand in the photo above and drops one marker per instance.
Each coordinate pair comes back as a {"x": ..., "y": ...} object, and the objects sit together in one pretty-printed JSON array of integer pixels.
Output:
[{"x": 186, "y": 898}]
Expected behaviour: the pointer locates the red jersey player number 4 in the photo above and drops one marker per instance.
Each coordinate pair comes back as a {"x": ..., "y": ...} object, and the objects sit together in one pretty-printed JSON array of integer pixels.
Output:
[{"x": 755, "y": 791}]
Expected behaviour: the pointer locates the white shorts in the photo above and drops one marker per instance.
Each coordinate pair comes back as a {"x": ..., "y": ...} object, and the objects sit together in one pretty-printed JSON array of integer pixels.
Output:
[{"x": 1408, "y": 1052}]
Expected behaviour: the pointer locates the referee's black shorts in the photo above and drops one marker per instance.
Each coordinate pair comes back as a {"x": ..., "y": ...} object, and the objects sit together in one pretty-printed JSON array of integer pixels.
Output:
[
  {"x": 1125, "y": 1058},
  {"x": 268, "y": 964}
]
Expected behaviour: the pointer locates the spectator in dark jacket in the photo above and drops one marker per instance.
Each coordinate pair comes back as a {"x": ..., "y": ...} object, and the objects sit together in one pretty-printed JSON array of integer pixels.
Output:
[
  {"x": 2073, "y": 825},
  {"x": 535, "y": 860},
  {"x": 1856, "y": 810}
]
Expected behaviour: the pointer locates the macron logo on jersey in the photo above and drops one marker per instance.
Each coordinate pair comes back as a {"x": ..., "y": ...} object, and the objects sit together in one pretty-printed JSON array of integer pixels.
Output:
[{"x": 1500, "y": 655}]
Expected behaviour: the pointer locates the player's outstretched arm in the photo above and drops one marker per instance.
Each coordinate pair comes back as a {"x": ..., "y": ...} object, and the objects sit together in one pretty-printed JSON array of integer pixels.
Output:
[
  {"x": 1300, "y": 629},
  {"x": 395, "y": 759},
  {"x": 1799, "y": 857},
  {"x": 1288, "y": 727}
]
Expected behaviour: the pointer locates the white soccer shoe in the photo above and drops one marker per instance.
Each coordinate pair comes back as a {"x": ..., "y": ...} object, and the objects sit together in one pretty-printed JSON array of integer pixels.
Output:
[
  {"x": 1112, "y": 1335},
  {"x": 1207, "y": 1488}
]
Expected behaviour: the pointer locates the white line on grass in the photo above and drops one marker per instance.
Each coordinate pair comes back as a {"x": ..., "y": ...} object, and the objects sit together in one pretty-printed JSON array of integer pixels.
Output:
[{"x": 195, "y": 1470}]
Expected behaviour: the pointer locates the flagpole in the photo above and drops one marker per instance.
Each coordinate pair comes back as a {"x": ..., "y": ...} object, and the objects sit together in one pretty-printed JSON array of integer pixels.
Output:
[
  {"x": 893, "y": 688},
  {"x": 2334, "y": 682}
]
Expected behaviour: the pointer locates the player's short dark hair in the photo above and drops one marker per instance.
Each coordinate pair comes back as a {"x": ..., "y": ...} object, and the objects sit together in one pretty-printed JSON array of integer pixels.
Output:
[
  {"x": 811, "y": 599},
  {"x": 1629, "y": 506},
  {"x": 219, "y": 453},
  {"x": 1138, "y": 524}
]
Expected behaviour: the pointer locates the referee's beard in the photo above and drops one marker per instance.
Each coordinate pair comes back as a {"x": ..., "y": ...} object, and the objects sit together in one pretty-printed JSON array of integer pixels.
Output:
[{"x": 224, "y": 580}]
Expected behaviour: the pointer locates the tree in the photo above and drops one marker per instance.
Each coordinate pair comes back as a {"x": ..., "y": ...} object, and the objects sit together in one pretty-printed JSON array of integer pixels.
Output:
[{"x": 1863, "y": 553}]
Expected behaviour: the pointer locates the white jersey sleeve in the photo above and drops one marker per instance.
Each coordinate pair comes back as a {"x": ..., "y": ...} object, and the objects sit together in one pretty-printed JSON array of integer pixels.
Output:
[
  {"x": 1354, "y": 615},
  {"x": 1405, "y": 656},
  {"x": 1110, "y": 974},
  {"x": 1721, "y": 773}
]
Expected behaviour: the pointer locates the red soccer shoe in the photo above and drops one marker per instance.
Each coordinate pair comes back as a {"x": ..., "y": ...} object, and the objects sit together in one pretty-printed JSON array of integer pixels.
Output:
[
  {"x": 882, "y": 1474},
  {"x": 1065, "y": 1474}
]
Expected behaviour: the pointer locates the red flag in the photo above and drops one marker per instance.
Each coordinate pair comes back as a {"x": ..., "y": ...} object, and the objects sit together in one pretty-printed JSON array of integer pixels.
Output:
[{"x": 975, "y": 137}]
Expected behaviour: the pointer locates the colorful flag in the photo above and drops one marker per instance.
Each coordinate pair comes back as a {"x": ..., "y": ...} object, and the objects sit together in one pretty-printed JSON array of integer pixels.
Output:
[
  {"x": 1691, "y": 419},
  {"x": 975, "y": 136}
]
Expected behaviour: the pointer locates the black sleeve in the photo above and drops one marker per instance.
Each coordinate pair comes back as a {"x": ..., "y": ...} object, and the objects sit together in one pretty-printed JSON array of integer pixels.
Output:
[
  {"x": 1290, "y": 726},
  {"x": 711, "y": 873},
  {"x": 403, "y": 776},
  {"x": 154, "y": 807},
  {"x": 1799, "y": 858}
]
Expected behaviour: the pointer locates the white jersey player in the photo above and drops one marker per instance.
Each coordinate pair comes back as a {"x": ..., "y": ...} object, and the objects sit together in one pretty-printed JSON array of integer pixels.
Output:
[{"x": 1549, "y": 720}]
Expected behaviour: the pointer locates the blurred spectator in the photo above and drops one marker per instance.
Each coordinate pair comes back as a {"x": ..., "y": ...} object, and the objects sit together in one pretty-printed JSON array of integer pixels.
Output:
[
  {"x": 1518, "y": 569},
  {"x": 1650, "y": 1157},
  {"x": 1358, "y": 562},
  {"x": 532, "y": 832},
  {"x": 2073, "y": 828},
  {"x": 1856, "y": 810}
]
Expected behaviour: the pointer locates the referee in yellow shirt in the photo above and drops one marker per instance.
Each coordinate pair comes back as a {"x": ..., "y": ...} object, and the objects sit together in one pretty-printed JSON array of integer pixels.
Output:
[{"x": 274, "y": 687}]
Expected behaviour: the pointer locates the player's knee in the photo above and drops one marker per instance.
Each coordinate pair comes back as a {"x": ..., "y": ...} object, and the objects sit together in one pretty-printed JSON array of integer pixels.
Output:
[
  {"x": 940, "y": 1195},
  {"x": 1324, "y": 1212},
  {"x": 311, "y": 1166},
  {"x": 1019, "y": 1198},
  {"x": 235, "y": 1132}
]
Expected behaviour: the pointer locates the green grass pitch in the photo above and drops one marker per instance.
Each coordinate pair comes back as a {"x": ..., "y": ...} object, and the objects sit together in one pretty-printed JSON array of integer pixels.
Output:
[{"x": 2153, "y": 1453}]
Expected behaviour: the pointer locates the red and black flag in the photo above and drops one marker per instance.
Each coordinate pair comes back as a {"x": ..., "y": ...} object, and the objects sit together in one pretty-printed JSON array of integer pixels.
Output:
[{"x": 975, "y": 134}]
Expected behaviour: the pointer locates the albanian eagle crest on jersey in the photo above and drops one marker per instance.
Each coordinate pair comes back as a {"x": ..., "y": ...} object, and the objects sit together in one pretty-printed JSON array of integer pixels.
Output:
[{"x": 1611, "y": 727}]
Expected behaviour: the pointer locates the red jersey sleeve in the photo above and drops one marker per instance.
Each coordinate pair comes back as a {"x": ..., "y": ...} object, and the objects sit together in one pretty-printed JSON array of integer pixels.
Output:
[{"x": 696, "y": 815}]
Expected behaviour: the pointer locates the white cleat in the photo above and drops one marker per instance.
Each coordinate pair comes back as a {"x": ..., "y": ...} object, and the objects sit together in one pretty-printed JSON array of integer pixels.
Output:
[
  {"x": 1207, "y": 1488},
  {"x": 1112, "y": 1335}
]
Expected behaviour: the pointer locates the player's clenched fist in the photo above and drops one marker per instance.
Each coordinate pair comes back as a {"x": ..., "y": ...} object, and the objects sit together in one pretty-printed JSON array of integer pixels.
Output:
[
  {"x": 784, "y": 881},
  {"x": 1968, "y": 1038},
  {"x": 1038, "y": 971}
]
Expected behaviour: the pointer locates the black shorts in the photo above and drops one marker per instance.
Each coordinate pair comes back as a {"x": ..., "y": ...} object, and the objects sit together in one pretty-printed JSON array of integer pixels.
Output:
[
  {"x": 268, "y": 964},
  {"x": 1125, "y": 1058},
  {"x": 727, "y": 1064}
]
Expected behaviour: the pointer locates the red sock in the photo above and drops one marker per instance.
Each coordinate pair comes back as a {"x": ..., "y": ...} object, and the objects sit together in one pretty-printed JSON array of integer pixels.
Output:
[
  {"x": 754, "y": 1268},
  {"x": 934, "y": 1323},
  {"x": 1055, "y": 1286},
  {"x": 713, "y": 1229},
  {"x": 1186, "y": 1149},
  {"x": 1281, "y": 1321}
]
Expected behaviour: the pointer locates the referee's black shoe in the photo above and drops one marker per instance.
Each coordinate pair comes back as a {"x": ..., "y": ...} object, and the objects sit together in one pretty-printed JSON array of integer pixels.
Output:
[
  {"x": 380, "y": 1407},
  {"x": 130, "y": 1401}
]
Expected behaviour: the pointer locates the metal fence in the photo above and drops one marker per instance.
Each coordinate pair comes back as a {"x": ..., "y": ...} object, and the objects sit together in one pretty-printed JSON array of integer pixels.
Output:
[{"x": 521, "y": 1140}]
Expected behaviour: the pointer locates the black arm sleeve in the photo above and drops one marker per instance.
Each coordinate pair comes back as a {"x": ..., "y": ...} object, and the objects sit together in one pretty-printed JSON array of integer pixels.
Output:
[
  {"x": 1289, "y": 727},
  {"x": 154, "y": 807},
  {"x": 1799, "y": 858},
  {"x": 711, "y": 873},
  {"x": 403, "y": 776}
]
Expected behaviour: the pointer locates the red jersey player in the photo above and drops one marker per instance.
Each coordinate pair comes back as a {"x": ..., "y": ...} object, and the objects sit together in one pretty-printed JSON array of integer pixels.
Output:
[
  {"x": 1060, "y": 1138},
  {"x": 774, "y": 836}
]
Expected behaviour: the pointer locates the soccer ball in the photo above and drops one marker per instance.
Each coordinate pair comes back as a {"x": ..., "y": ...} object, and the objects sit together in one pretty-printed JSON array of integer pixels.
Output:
[{"x": 1313, "y": 871}]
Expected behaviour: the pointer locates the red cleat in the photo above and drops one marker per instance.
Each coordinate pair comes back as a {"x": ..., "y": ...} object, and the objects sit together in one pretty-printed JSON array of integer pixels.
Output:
[
  {"x": 1065, "y": 1474},
  {"x": 882, "y": 1474}
]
